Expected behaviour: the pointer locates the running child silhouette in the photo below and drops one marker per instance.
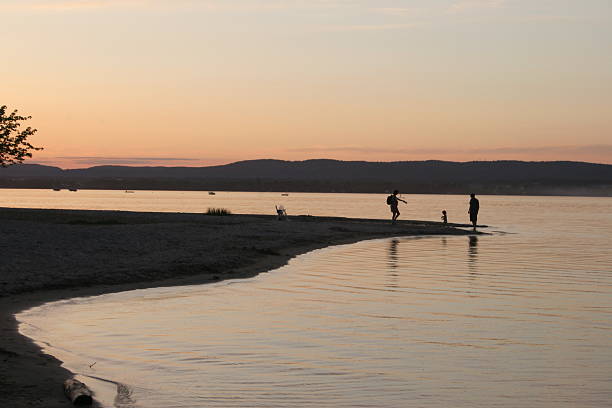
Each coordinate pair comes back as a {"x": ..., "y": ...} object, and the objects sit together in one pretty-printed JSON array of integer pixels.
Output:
[{"x": 393, "y": 201}]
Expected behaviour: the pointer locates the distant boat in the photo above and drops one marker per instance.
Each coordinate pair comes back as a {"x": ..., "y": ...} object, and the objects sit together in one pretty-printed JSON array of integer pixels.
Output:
[
  {"x": 72, "y": 189},
  {"x": 211, "y": 193},
  {"x": 285, "y": 194},
  {"x": 57, "y": 189}
]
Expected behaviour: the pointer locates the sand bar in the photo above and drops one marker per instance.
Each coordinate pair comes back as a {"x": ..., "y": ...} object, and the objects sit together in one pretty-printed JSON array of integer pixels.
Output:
[{"x": 56, "y": 254}]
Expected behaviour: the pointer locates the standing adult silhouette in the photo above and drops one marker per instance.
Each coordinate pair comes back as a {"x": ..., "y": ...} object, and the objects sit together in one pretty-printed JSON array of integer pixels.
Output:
[{"x": 473, "y": 211}]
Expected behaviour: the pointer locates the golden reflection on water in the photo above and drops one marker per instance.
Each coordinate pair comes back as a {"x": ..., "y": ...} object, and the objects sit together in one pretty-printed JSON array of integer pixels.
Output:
[
  {"x": 499, "y": 321},
  {"x": 398, "y": 322}
]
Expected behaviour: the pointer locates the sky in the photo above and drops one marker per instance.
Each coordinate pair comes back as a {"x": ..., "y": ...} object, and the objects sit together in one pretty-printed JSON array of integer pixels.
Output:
[{"x": 207, "y": 82}]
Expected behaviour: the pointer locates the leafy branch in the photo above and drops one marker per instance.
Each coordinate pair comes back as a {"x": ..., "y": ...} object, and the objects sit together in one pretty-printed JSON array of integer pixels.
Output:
[{"x": 14, "y": 145}]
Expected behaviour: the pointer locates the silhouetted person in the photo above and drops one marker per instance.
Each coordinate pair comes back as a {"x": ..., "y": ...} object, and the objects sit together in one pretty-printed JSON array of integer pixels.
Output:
[
  {"x": 393, "y": 201},
  {"x": 444, "y": 217},
  {"x": 473, "y": 211}
]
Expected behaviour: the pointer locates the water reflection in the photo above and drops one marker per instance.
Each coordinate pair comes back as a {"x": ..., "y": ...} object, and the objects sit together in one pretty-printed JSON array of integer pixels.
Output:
[
  {"x": 371, "y": 324},
  {"x": 472, "y": 253},
  {"x": 393, "y": 262},
  {"x": 393, "y": 253}
]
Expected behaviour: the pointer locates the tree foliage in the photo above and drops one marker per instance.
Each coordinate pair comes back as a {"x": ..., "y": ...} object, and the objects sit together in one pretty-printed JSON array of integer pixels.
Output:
[{"x": 14, "y": 145}]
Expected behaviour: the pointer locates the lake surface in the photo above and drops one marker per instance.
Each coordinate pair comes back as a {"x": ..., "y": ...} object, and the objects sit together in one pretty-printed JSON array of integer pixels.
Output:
[
  {"x": 522, "y": 317},
  {"x": 347, "y": 205}
]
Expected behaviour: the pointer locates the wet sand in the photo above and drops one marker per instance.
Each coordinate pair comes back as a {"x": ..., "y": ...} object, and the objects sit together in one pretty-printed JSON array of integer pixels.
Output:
[{"x": 56, "y": 254}]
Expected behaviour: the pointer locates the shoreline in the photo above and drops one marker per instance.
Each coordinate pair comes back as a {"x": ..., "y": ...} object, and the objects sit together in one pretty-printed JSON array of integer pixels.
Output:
[{"x": 58, "y": 254}]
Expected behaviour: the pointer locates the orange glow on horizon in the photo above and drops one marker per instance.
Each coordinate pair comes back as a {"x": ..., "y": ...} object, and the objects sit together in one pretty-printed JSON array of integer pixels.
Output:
[{"x": 183, "y": 83}]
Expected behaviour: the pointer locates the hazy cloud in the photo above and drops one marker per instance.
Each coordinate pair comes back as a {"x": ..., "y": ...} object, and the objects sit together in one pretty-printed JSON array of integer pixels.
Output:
[
  {"x": 599, "y": 149},
  {"x": 553, "y": 18},
  {"x": 367, "y": 27},
  {"x": 80, "y": 161},
  {"x": 545, "y": 151},
  {"x": 395, "y": 11},
  {"x": 126, "y": 159},
  {"x": 70, "y": 4},
  {"x": 465, "y": 5},
  {"x": 238, "y": 5}
]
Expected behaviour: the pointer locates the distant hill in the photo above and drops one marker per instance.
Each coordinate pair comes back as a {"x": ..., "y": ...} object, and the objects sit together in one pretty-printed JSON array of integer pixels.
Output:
[{"x": 495, "y": 177}]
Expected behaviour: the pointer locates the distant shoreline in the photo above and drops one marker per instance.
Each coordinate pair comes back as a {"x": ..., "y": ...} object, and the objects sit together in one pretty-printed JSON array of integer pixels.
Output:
[
  {"x": 57, "y": 254},
  {"x": 503, "y": 177},
  {"x": 605, "y": 193}
]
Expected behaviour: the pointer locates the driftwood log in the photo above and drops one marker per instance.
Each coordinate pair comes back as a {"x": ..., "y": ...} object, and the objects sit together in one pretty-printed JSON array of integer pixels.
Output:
[{"x": 77, "y": 392}]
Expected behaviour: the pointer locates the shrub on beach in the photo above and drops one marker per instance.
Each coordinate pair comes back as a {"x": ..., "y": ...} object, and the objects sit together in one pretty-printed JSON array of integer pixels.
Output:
[{"x": 218, "y": 211}]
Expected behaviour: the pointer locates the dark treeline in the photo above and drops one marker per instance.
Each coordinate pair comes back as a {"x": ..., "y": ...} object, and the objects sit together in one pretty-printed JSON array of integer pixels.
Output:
[
  {"x": 429, "y": 177},
  {"x": 501, "y": 188}
]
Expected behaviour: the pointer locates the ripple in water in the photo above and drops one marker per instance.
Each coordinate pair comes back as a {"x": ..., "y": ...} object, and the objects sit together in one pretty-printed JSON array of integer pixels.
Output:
[
  {"x": 451, "y": 321},
  {"x": 505, "y": 320}
]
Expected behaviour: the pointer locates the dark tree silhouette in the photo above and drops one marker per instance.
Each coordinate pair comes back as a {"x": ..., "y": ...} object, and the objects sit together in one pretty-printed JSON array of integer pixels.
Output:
[{"x": 14, "y": 146}]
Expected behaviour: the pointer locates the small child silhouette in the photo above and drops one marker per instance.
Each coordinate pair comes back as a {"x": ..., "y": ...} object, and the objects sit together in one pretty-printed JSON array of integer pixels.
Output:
[{"x": 444, "y": 217}]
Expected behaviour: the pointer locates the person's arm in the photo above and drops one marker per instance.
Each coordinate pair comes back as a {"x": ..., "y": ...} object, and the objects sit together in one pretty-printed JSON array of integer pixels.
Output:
[{"x": 402, "y": 201}]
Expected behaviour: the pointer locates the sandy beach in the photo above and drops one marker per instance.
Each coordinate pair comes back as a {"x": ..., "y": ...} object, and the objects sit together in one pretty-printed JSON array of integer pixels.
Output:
[{"x": 56, "y": 254}]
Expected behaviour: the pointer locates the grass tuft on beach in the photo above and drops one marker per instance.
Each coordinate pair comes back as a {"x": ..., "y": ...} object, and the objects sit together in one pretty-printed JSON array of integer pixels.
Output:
[{"x": 218, "y": 211}]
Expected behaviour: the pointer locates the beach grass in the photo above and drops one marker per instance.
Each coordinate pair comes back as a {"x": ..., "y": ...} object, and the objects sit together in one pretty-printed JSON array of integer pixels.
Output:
[{"x": 218, "y": 211}]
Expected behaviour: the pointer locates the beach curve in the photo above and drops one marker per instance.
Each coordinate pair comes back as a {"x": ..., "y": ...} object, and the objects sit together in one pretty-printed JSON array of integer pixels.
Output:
[{"x": 57, "y": 254}]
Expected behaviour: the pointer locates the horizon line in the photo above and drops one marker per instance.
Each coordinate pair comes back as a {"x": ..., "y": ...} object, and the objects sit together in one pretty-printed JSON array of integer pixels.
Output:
[{"x": 134, "y": 165}]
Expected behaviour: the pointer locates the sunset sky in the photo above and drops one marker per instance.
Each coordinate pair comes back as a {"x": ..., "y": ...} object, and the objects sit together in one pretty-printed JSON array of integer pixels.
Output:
[{"x": 202, "y": 82}]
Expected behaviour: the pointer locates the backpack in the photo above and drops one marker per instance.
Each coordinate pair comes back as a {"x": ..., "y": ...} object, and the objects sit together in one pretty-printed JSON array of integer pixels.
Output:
[{"x": 389, "y": 200}]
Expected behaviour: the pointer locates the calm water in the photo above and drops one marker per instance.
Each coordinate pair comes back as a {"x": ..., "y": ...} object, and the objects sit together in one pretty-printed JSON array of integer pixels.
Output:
[
  {"x": 519, "y": 318},
  {"x": 349, "y": 205}
]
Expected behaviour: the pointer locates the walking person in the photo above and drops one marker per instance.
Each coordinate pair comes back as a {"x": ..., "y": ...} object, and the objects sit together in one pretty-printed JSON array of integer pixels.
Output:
[
  {"x": 473, "y": 211},
  {"x": 393, "y": 201}
]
